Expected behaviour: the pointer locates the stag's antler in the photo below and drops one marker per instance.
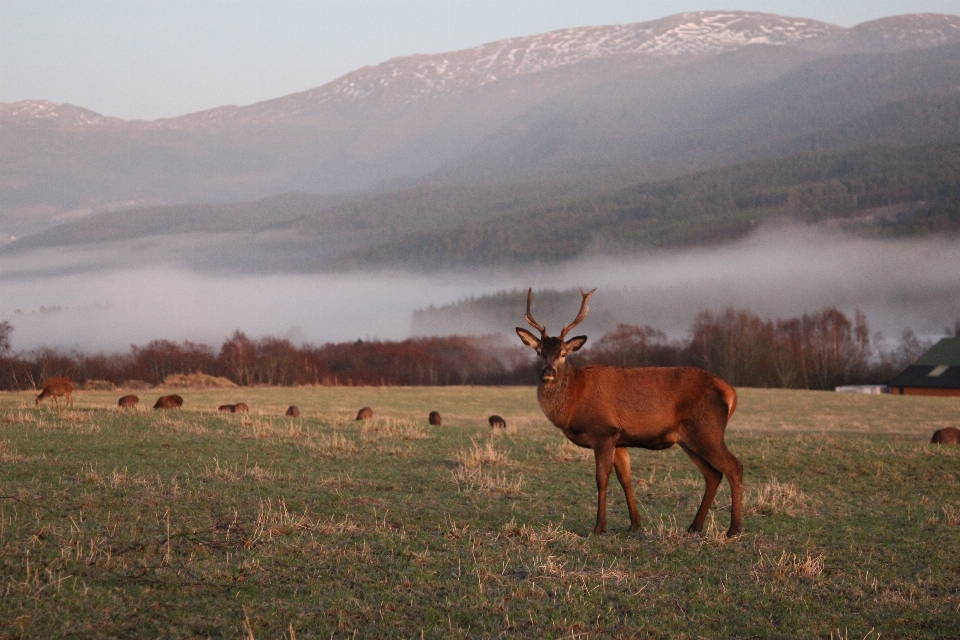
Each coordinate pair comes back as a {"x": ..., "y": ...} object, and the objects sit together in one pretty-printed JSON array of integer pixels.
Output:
[
  {"x": 533, "y": 323},
  {"x": 580, "y": 316}
]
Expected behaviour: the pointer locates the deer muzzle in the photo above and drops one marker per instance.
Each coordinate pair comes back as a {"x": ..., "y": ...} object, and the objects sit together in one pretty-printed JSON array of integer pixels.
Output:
[{"x": 548, "y": 373}]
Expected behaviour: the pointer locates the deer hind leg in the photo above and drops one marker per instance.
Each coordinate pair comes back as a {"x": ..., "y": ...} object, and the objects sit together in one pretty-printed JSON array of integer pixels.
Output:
[
  {"x": 712, "y": 477},
  {"x": 621, "y": 463},
  {"x": 605, "y": 456},
  {"x": 720, "y": 462},
  {"x": 730, "y": 466}
]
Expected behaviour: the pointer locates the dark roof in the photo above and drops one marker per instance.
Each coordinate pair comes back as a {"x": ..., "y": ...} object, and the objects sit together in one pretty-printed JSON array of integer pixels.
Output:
[
  {"x": 947, "y": 351},
  {"x": 943, "y": 377}
]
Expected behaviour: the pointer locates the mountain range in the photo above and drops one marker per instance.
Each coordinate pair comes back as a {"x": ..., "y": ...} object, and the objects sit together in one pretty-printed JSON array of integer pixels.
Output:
[{"x": 389, "y": 161}]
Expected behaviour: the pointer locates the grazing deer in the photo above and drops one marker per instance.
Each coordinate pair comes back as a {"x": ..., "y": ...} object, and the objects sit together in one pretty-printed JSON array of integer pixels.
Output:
[
  {"x": 56, "y": 388},
  {"x": 496, "y": 422},
  {"x": 947, "y": 435},
  {"x": 293, "y": 411},
  {"x": 169, "y": 402},
  {"x": 608, "y": 409},
  {"x": 128, "y": 402},
  {"x": 365, "y": 414},
  {"x": 434, "y": 418}
]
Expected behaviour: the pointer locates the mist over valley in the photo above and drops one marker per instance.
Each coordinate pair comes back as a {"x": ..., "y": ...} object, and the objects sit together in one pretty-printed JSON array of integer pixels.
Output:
[{"x": 72, "y": 300}]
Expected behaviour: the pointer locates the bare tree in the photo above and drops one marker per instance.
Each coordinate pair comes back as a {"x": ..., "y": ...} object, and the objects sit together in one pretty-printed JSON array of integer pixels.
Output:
[{"x": 6, "y": 329}]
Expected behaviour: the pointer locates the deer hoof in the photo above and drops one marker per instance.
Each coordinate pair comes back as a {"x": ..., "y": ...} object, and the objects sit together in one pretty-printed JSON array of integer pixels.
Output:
[{"x": 734, "y": 533}]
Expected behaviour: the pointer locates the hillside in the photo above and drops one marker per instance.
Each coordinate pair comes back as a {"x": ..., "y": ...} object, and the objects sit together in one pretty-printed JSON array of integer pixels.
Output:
[
  {"x": 873, "y": 191},
  {"x": 877, "y": 191},
  {"x": 637, "y": 102},
  {"x": 752, "y": 103}
]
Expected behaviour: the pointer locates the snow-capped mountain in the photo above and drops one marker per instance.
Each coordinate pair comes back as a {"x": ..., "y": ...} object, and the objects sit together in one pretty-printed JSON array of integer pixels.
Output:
[
  {"x": 43, "y": 111},
  {"x": 647, "y": 96},
  {"x": 409, "y": 79},
  {"x": 690, "y": 34}
]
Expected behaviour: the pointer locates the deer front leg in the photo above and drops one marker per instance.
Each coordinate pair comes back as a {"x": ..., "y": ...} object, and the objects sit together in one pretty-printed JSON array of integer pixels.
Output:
[
  {"x": 604, "y": 454},
  {"x": 621, "y": 462}
]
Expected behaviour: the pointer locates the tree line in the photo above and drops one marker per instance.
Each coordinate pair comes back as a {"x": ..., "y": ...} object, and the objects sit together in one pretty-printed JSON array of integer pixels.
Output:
[{"x": 815, "y": 351}]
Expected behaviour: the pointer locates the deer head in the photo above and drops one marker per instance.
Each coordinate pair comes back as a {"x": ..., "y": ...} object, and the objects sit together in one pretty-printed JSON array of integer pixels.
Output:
[{"x": 553, "y": 351}]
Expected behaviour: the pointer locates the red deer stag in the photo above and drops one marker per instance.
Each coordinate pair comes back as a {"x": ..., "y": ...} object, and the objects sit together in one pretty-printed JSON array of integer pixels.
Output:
[
  {"x": 128, "y": 402},
  {"x": 434, "y": 418},
  {"x": 293, "y": 411},
  {"x": 169, "y": 402},
  {"x": 947, "y": 435},
  {"x": 496, "y": 422},
  {"x": 365, "y": 414},
  {"x": 56, "y": 388},
  {"x": 608, "y": 409}
]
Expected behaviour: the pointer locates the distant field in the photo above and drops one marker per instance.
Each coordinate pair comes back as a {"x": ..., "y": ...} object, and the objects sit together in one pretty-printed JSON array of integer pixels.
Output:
[{"x": 192, "y": 523}]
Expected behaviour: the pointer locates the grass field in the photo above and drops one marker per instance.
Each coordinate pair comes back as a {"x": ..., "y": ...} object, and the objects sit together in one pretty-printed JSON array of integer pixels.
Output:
[{"x": 192, "y": 523}]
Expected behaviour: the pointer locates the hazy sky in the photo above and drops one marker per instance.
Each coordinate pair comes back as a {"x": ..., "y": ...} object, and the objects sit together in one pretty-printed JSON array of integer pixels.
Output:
[{"x": 160, "y": 58}]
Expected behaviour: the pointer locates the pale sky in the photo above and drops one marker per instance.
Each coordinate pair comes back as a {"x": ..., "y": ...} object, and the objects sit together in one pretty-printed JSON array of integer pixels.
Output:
[{"x": 146, "y": 59}]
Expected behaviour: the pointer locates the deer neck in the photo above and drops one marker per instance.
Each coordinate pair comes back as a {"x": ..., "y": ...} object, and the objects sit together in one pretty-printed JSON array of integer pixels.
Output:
[{"x": 557, "y": 396}]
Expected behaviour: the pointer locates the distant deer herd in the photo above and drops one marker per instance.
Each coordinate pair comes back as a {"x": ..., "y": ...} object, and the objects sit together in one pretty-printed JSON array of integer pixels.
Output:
[{"x": 603, "y": 408}]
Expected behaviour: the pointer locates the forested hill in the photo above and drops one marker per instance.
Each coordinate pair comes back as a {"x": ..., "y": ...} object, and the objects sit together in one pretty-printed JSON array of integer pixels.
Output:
[{"x": 876, "y": 191}]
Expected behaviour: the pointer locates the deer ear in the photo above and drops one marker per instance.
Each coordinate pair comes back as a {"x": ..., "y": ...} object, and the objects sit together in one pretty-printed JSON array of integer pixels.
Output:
[
  {"x": 528, "y": 338},
  {"x": 574, "y": 344}
]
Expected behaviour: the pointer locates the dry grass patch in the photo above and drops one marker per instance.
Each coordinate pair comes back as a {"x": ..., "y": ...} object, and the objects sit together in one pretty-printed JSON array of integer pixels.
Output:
[
  {"x": 808, "y": 567},
  {"x": 231, "y": 473},
  {"x": 397, "y": 451},
  {"x": 473, "y": 473},
  {"x": 566, "y": 451},
  {"x": 9, "y": 453},
  {"x": 332, "y": 445},
  {"x": 114, "y": 479},
  {"x": 68, "y": 420},
  {"x": 541, "y": 535},
  {"x": 510, "y": 429},
  {"x": 374, "y": 430},
  {"x": 276, "y": 520},
  {"x": 481, "y": 480},
  {"x": 668, "y": 533},
  {"x": 342, "y": 481},
  {"x": 478, "y": 455},
  {"x": 21, "y": 416},
  {"x": 345, "y": 526},
  {"x": 776, "y": 498},
  {"x": 173, "y": 422},
  {"x": 948, "y": 515}
]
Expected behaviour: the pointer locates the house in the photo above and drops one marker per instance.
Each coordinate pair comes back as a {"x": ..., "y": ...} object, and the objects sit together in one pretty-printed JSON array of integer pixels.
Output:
[{"x": 935, "y": 373}]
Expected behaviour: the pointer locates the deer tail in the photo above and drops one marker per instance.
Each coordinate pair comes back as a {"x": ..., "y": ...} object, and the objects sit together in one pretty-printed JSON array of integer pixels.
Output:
[{"x": 729, "y": 396}]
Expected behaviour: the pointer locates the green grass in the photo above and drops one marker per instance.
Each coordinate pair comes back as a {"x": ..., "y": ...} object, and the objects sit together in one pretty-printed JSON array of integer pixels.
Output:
[{"x": 192, "y": 523}]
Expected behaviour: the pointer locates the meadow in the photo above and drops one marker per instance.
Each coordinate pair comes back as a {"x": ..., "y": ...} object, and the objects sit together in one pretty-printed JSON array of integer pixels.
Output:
[{"x": 192, "y": 523}]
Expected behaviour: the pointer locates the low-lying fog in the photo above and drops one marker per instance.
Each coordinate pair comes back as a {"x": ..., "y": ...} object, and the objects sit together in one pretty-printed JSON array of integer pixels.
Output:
[{"x": 96, "y": 299}]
